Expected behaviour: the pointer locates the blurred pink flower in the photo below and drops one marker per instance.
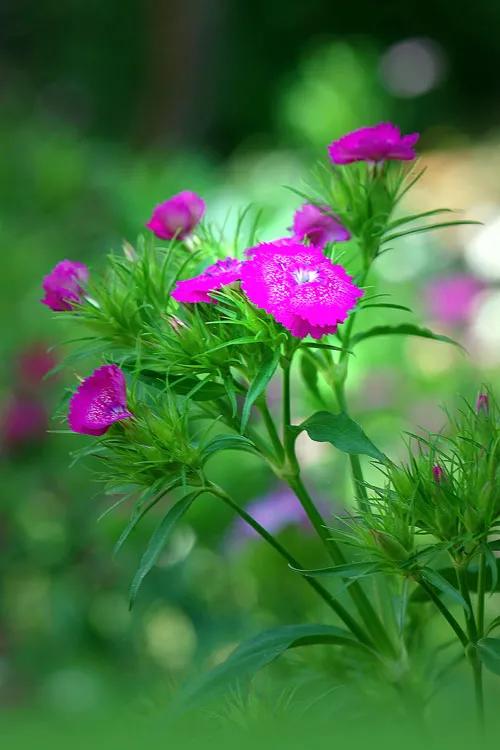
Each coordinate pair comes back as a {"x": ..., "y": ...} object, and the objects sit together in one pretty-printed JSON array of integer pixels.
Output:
[
  {"x": 177, "y": 216},
  {"x": 318, "y": 226},
  {"x": 99, "y": 402},
  {"x": 299, "y": 286},
  {"x": 483, "y": 403},
  {"x": 63, "y": 285},
  {"x": 24, "y": 420},
  {"x": 33, "y": 363},
  {"x": 214, "y": 277},
  {"x": 451, "y": 299},
  {"x": 437, "y": 473},
  {"x": 376, "y": 143}
]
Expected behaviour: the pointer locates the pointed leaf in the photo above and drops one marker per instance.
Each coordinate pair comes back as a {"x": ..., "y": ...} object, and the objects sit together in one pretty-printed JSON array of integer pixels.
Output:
[
  {"x": 252, "y": 655},
  {"x": 258, "y": 385},
  {"x": 348, "y": 570},
  {"x": 229, "y": 443},
  {"x": 439, "y": 582},
  {"x": 342, "y": 432},
  {"x": 489, "y": 653},
  {"x": 405, "y": 329},
  {"x": 158, "y": 541}
]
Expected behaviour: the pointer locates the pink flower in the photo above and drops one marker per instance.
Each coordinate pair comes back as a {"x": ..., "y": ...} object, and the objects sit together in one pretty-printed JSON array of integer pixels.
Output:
[
  {"x": 375, "y": 144},
  {"x": 219, "y": 274},
  {"x": 437, "y": 473},
  {"x": 24, "y": 421},
  {"x": 100, "y": 400},
  {"x": 315, "y": 224},
  {"x": 299, "y": 286},
  {"x": 63, "y": 285},
  {"x": 177, "y": 216},
  {"x": 451, "y": 299},
  {"x": 33, "y": 363}
]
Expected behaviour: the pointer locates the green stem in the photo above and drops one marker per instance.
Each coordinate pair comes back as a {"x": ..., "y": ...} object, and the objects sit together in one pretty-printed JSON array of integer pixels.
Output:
[
  {"x": 339, "y": 610},
  {"x": 271, "y": 430},
  {"x": 472, "y": 632},
  {"x": 481, "y": 593},
  {"x": 356, "y": 470},
  {"x": 291, "y": 476}
]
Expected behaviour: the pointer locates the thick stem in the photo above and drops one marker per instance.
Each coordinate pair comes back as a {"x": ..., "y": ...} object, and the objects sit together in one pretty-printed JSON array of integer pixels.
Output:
[{"x": 339, "y": 610}]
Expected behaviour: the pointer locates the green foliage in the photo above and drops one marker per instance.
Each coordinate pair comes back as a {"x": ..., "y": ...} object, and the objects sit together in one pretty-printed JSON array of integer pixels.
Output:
[{"x": 342, "y": 432}]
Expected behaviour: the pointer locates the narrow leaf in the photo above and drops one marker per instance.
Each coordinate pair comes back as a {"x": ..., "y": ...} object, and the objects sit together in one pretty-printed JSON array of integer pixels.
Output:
[
  {"x": 348, "y": 570},
  {"x": 228, "y": 443},
  {"x": 258, "y": 385},
  {"x": 428, "y": 228},
  {"x": 489, "y": 653},
  {"x": 158, "y": 541},
  {"x": 405, "y": 329},
  {"x": 342, "y": 432},
  {"x": 252, "y": 655},
  {"x": 439, "y": 582}
]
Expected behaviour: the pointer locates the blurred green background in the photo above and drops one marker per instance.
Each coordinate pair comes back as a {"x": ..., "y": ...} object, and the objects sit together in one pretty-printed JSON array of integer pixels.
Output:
[{"x": 105, "y": 110}]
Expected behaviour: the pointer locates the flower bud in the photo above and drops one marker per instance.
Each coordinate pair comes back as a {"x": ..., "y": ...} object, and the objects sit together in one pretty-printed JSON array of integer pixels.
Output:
[
  {"x": 483, "y": 403},
  {"x": 437, "y": 473},
  {"x": 177, "y": 216}
]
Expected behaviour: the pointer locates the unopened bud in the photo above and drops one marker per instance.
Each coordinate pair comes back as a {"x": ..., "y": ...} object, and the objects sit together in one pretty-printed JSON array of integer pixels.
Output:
[
  {"x": 437, "y": 473},
  {"x": 482, "y": 403},
  {"x": 129, "y": 251}
]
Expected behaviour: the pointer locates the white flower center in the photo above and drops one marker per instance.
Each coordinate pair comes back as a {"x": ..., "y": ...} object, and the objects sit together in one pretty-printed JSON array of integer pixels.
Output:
[{"x": 304, "y": 275}]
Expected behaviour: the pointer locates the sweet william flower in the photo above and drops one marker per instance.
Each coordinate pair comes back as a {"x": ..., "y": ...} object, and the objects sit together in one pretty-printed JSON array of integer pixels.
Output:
[
  {"x": 315, "y": 224},
  {"x": 99, "y": 402},
  {"x": 299, "y": 286},
  {"x": 24, "y": 421},
  {"x": 437, "y": 473},
  {"x": 198, "y": 288},
  {"x": 63, "y": 285},
  {"x": 377, "y": 143},
  {"x": 177, "y": 216}
]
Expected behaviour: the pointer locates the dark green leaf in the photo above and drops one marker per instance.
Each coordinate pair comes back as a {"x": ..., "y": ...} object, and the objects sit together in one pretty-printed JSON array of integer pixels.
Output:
[
  {"x": 229, "y": 443},
  {"x": 258, "y": 385},
  {"x": 493, "y": 624},
  {"x": 440, "y": 583},
  {"x": 429, "y": 228},
  {"x": 405, "y": 329},
  {"x": 158, "y": 541},
  {"x": 252, "y": 655},
  {"x": 349, "y": 570},
  {"x": 342, "y": 432},
  {"x": 489, "y": 653}
]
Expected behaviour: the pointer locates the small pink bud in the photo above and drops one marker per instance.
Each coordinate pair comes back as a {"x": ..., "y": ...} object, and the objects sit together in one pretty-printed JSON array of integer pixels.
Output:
[
  {"x": 482, "y": 403},
  {"x": 437, "y": 473},
  {"x": 177, "y": 216}
]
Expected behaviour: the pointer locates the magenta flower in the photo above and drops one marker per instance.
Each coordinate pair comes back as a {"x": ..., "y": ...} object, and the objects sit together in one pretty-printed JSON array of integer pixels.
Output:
[
  {"x": 315, "y": 224},
  {"x": 33, "y": 363},
  {"x": 177, "y": 216},
  {"x": 299, "y": 286},
  {"x": 437, "y": 473},
  {"x": 24, "y": 420},
  {"x": 219, "y": 274},
  {"x": 63, "y": 285},
  {"x": 99, "y": 402},
  {"x": 451, "y": 299},
  {"x": 374, "y": 144}
]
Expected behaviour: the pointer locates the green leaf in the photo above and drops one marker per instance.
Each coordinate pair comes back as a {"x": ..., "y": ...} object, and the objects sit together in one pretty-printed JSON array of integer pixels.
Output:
[
  {"x": 405, "y": 329},
  {"x": 440, "y": 583},
  {"x": 342, "y": 432},
  {"x": 348, "y": 570},
  {"x": 309, "y": 372},
  {"x": 258, "y": 385},
  {"x": 493, "y": 624},
  {"x": 158, "y": 541},
  {"x": 386, "y": 305},
  {"x": 429, "y": 228},
  {"x": 489, "y": 653},
  {"x": 252, "y": 655},
  {"x": 229, "y": 443},
  {"x": 449, "y": 575}
]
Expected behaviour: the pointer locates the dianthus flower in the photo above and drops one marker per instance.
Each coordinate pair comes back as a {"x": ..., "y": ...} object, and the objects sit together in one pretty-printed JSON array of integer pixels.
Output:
[
  {"x": 299, "y": 286},
  {"x": 63, "y": 285},
  {"x": 316, "y": 225},
  {"x": 198, "y": 288},
  {"x": 177, "y": 216},
  {"x": 24, "y": 421},
  {"x": 374, "y": 144},
  {"x": 437, "y": 473},
  {"x": 100, "y": 400},
  {"x": 483, "y": 403}
]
